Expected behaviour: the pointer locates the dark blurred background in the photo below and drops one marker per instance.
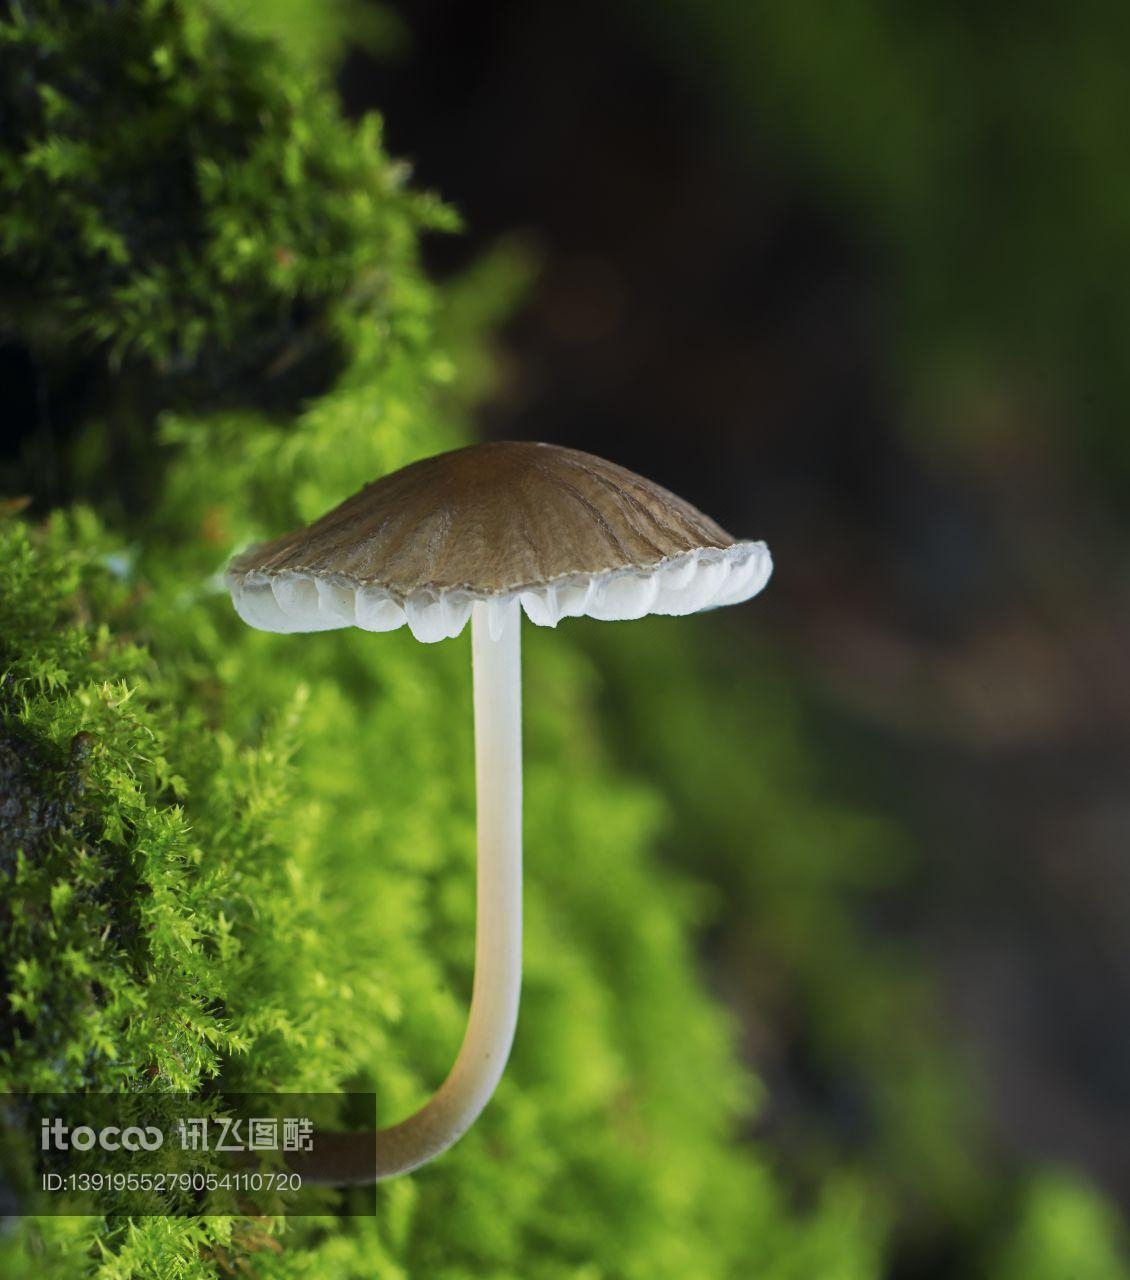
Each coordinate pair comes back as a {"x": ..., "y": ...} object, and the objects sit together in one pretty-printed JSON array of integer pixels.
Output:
[{"x": 854, "y": 279}]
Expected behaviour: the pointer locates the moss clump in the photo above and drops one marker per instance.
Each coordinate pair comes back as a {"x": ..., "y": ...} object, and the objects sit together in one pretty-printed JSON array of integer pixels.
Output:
[
  {"x": 116, "y": 932},
  {"x": 175, "y": 193}
]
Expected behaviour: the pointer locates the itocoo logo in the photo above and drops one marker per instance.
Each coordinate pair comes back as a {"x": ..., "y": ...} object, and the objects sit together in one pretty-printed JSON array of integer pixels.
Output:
[{"x": 54, "y": 1135}]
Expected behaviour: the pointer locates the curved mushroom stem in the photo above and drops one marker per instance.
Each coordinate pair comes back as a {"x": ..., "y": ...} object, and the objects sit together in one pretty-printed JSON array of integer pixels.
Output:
[{"x": 496, "y": 657}]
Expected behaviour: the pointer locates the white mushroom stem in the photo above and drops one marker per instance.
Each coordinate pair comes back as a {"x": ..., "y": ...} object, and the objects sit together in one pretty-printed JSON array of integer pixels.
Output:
[{"x": 496, "y": 656}]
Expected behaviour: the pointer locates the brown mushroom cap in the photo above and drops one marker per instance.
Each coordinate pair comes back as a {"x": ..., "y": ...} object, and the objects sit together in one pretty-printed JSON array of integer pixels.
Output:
[{"x": 555, "y": 527}]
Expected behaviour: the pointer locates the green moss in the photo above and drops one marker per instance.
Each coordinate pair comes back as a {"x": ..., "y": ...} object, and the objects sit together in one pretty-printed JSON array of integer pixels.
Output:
[{"x": 175, "y": 193}]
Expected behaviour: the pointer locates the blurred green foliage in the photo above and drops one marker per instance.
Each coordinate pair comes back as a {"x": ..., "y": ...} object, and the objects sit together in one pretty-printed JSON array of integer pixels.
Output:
[
  {"x": 795, "y": 874},
  {"x": 247, "y": 858},
  {"x": 976, "y": 154},
  {"x": 1064, "y": 1229}
]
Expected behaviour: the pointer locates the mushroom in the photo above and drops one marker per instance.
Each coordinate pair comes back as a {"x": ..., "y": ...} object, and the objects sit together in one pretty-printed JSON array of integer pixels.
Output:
[{"x": 484, "y": 533}]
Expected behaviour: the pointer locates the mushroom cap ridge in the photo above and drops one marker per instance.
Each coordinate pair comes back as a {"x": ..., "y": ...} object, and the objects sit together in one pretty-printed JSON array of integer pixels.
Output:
[{"x": 563, "y": 531}]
